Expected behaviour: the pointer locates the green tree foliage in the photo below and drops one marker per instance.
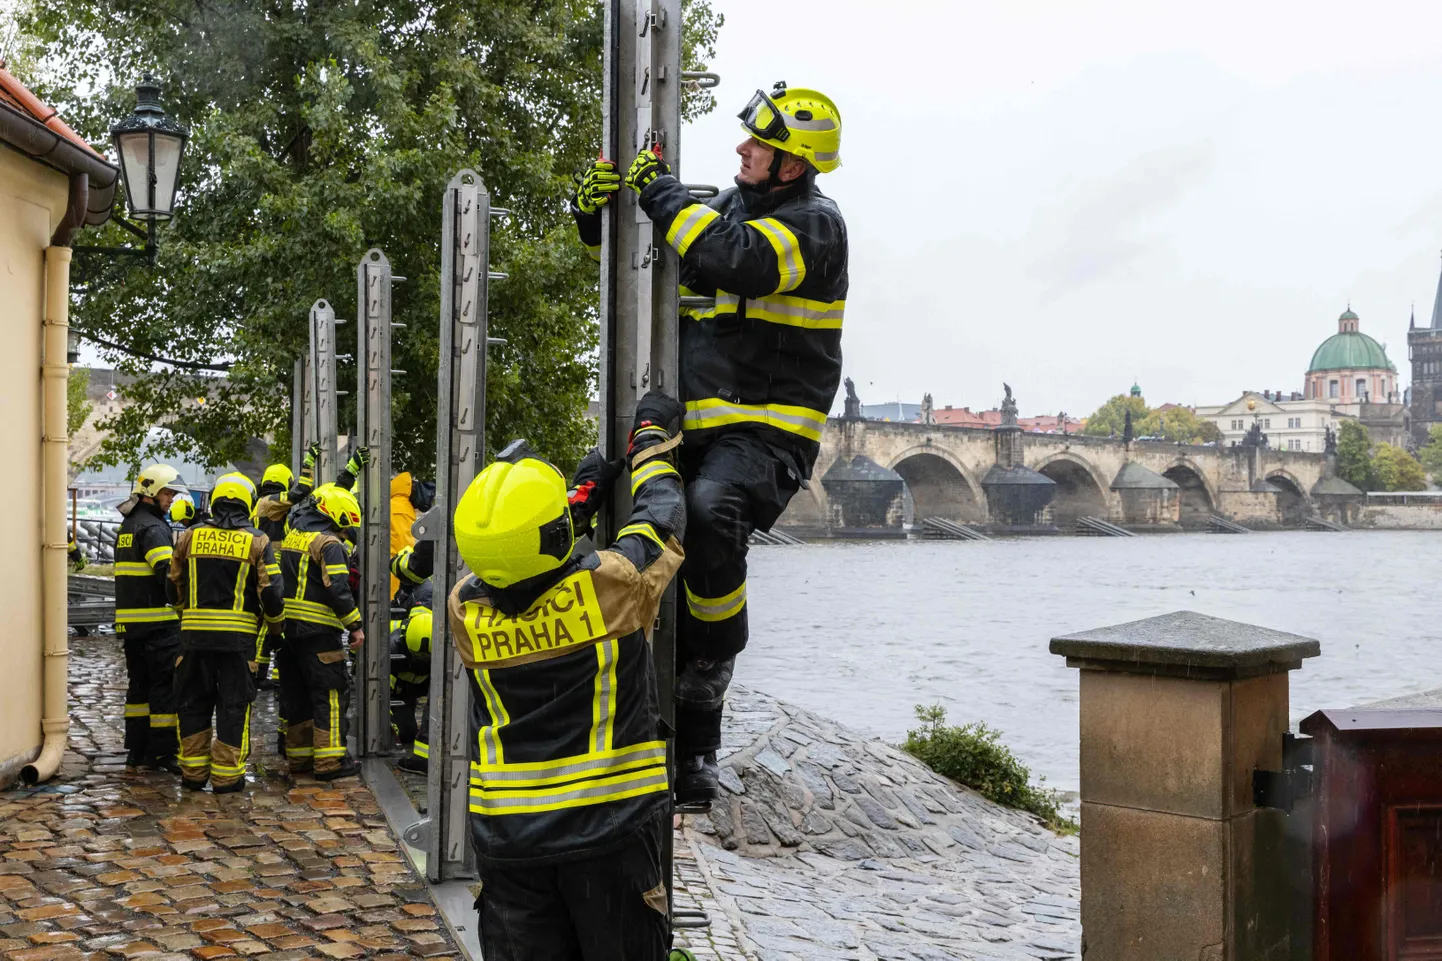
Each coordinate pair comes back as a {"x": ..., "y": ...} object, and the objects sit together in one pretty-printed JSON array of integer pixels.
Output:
[
  {"x": 319, "y": 130},
  {"x": 78, "y": 407},
  {"x": 974, "y": 755},
  {"x": 1431, "y": 453},
  {"x": 1394, "y": 469},
  {"x": 1110, "y": 418},
  {"x": 1177, "y": 424},
  {"x": 1354, "y": 455}
]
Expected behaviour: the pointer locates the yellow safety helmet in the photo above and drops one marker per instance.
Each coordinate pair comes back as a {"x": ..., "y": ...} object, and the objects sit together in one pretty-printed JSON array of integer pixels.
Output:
[
  {"x": 799, "y": 121},
  {"x": 237, "y": 487},
  {"x": 182, "y": 510},
  {"x": 339, "y": 505},
  {"x": 156, "y": 478},
  {"x": 513, "y": 523},
  {"x": 278, "y": 474},
  {"x": 418, "y": 632}
]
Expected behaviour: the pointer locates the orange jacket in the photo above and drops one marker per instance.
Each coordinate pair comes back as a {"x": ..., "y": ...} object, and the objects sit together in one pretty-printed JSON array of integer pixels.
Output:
[{"x": 403, "y": 515}]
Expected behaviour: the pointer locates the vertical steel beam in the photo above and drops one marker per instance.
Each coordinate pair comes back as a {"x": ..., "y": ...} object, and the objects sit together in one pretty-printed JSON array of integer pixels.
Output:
[
  {"x": 323, "y": 423},
  {"x": 460, "y": 454},
  {"x": 373, "y": 425},
  {"x": 640, "y": 287},
  {"x": 297, "y": 415}
]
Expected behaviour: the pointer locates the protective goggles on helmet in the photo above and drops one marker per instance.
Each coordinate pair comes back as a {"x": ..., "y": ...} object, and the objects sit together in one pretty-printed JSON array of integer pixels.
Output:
[{"x": 764, "y": 119}]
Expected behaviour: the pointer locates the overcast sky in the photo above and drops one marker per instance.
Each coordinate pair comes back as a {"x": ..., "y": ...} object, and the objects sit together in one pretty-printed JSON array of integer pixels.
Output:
[{"x": 1069, "y": 196}]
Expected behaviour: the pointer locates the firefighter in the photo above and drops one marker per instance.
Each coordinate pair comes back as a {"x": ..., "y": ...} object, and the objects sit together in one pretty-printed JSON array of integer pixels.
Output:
[
  {"x": 569, "y": 793},
  {"x": 145, "y": 621},
  {"x": 225, "y": 579},
  {"x": 280, "y": 491},
  {"x": 410, "y": 567},
  {"x": 319, "y": 607},
  {"x": 184, "y": 514},
  {"x": 76, "y": 554},
  {"x": 759, "y": 370},
  {"x": 410, "y": 498},
  {"x": 410, "y": 678}
]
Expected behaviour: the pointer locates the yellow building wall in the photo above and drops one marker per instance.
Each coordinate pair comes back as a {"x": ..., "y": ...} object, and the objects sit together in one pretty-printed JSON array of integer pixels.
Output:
[{"x": 32, "y": 201}]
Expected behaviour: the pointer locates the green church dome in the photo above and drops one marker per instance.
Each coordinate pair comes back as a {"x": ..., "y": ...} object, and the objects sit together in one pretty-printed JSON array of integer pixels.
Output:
[{"x": 1350, "y": 350}]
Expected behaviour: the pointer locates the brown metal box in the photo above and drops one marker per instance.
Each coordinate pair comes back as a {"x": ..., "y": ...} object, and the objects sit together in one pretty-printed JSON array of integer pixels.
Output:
[{"x": 1377, "y": 834}]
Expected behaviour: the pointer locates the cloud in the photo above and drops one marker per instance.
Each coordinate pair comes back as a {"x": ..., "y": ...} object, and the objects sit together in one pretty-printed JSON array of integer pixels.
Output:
[{"x": 1103, "y": 227}]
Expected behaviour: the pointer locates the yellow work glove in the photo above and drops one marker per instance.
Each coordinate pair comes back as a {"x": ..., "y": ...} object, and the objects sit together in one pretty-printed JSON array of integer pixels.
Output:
[
  {"x": 647, "y": 166},
  {"x": 597, "y": 185}
]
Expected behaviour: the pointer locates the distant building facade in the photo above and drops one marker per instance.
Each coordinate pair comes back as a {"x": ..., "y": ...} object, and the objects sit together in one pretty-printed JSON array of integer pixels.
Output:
[
  {"x": 1424, "y": 350},
  {"x": 1350, "y": 377}
]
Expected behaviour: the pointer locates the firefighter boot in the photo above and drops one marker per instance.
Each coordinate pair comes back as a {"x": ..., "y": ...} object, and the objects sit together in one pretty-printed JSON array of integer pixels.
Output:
[{"x": 700, "y": 694}]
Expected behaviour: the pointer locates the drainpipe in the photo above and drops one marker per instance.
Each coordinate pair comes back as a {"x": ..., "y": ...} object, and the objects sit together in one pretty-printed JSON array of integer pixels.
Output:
[{"x": 55, "y": 718}]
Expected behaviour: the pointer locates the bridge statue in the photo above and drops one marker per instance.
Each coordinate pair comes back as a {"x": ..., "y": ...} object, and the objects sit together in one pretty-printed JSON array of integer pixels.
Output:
[
  {"x": 1330, "y": 440},
  {"x": 928, "y": 411},
  {"x": 853, "y": 403},
  {"x": 1008, "y": 407}
]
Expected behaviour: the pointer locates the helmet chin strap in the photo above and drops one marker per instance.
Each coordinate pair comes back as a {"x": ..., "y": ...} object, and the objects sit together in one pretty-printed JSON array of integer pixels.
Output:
[{"x": 778, "y": 157}]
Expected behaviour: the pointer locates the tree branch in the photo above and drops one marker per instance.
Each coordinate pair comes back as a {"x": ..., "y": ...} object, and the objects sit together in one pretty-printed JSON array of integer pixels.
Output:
[{"x": 184, "y": 364}]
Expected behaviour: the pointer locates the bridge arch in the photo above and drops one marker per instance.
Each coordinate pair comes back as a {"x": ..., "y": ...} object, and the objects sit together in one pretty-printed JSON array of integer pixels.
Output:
[
  {"x": 1292, "y": 501},
  {"x": 1080, "y": 490},
  {"x": 1198, "y": 499},
  {"x": 939, "y": 484}
]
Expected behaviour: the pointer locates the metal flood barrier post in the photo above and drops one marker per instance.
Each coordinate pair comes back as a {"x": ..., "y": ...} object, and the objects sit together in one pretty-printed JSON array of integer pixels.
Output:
[
  {"x": 321, "y": 390},
  {"x": 373, "y": 426},
  {"x": 640, "y": 277},
  {"x": 297, "y": 415},
  {"x": 460, "y": 453}
]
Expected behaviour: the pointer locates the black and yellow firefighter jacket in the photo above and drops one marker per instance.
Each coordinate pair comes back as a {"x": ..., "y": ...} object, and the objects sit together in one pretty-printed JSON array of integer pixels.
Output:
[
  {"x": 271, "y": 511},
  {"x": 227, "y": 583},
  {"x": 143, "y": 548},
  {"x": 767, "y": 356},
  {"x": 318, "y": 598},
  {"x": 569, "y": 759},
  {"x": 410, "y": 672}
]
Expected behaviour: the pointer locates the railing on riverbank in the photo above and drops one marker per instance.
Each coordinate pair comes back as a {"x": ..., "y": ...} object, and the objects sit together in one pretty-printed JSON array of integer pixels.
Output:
[
  {"x": 1096, "y": 527},
  {"x": 1217, "y": 524},
  {"x": 939, "y": 528},
  {"x": 1316, "y": 523},
  {"x": 772, "y": 538}
]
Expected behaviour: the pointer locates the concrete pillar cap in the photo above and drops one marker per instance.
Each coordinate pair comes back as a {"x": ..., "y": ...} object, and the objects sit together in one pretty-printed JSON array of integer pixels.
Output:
[{"x": 1186, "y": 644}]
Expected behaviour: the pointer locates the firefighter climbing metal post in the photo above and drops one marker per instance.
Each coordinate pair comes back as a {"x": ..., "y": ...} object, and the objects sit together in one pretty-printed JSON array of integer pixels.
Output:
[
  {"x": 321, "y": 426},
  {"x": 460, "y": 455},
  {"x": 373, "y": 426}
]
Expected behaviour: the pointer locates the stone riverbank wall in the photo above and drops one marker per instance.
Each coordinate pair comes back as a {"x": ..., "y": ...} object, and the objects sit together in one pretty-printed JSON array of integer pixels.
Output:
[{"x": 831, "y": 845}]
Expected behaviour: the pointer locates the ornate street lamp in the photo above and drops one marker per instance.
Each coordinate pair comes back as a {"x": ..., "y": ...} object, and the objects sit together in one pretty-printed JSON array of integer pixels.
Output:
[{"x": 150, "y": 146}]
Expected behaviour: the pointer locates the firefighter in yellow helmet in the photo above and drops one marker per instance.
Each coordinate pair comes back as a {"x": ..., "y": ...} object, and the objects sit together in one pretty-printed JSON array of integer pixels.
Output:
[
  {"x": 569, "y": 789},
  {"x": 319, "y": 608},
  {"x": 410, "y": 678},
  {"x": 145, "y": 621},
  {"x": 759, "y": 370},
  {"x": 225, "y": 579}
]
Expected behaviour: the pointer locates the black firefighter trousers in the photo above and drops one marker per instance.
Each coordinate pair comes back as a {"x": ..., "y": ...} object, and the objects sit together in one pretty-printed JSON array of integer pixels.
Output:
[
  {"x": 735, "y": 485},
  {"x": 607, "y": 908},
  {"x": 150, "y": 714},
  {"x": 314, "y": 698},
  {"x": 219, "y": 684}
]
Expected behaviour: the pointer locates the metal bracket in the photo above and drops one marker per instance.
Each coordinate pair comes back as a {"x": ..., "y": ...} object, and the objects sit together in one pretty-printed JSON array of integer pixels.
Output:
[
  {"x": 418, "y": 835},
  {"x": 1296, "y": 781}
]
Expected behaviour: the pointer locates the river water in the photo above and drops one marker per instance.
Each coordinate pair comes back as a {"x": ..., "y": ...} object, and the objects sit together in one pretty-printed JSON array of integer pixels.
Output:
[{"x": 862, "y": 631}]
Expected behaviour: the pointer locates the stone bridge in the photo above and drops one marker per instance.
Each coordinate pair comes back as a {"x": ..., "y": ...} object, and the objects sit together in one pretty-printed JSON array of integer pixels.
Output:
[{"x": 873, "y": 476}]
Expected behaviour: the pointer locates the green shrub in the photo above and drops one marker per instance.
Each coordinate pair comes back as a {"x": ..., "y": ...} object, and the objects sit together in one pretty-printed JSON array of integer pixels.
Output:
[{"x": 974, "y": 755}]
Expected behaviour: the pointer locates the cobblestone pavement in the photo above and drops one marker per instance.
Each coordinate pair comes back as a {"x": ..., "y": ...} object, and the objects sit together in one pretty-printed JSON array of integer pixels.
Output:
[
  {"x": 100, "y": 864},
  {"x": 831, "y": 845}
]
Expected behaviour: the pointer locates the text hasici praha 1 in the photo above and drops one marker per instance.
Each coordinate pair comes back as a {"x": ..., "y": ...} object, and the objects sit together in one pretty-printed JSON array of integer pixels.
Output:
[{"x": 567, "y": 617}]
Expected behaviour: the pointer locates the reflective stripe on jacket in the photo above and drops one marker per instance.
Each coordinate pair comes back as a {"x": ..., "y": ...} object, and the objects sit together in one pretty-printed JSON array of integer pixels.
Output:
[
  {"x": 767, "y": 356},
  {"x": 226, "y": 582},
  {"x": 143, "y": 550},
  {"x": 564, "y": 721},
  {"x": 318, "y": 598}
]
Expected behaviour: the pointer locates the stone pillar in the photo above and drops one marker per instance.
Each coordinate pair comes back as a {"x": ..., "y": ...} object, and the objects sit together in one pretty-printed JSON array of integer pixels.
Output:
[{"x": 1177, "y": 712}]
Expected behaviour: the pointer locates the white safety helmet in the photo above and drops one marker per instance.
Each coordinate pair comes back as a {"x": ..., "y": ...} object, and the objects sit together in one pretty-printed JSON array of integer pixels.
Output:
[{"x": 159, "y": 477}]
